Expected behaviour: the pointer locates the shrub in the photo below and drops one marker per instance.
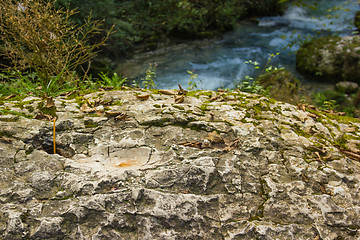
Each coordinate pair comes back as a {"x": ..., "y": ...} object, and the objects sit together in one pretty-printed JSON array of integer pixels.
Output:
[{"x": 39, "y": 36}]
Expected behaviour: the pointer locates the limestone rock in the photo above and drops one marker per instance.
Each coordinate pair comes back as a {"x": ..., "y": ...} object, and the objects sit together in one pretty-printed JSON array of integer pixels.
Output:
[{"x": 239, "y": 167}]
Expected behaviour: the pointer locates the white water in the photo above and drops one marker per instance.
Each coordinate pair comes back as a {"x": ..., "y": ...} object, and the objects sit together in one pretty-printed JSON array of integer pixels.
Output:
[{"x": 222, "y": 63}]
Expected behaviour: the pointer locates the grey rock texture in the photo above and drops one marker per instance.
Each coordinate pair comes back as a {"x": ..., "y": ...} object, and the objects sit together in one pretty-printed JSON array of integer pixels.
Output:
[
  {"x": 331, "y": 58},
  {"x": 220, "y": 165}
]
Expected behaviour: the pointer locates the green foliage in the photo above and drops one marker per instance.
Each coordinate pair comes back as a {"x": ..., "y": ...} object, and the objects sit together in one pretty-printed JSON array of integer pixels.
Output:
[
  {"x": 248, "y": 84},
  {"x": 193, "y": 82},
  {"x": 143, "y": 23},
  {"x": 115, "y": 81},
  {"x": 251, "y": 86},
  {"x": 40, "y": 37},
  {"x": 18, "y": 83},
  {"x": 149, "y": 81},
  {"x": 335, "y": 100}
]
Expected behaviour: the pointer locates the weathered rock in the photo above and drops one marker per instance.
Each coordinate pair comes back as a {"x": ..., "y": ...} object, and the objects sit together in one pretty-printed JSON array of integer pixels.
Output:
[
  {"x": 240, "y": 167},
  {"x": 347, "y": 87},
  {"x": 331, "y": 58}
]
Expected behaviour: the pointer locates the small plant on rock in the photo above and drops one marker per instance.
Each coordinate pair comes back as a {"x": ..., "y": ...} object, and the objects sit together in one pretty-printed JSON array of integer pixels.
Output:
[
  {"x": 149, "y": 80},
  {"x": 193, "y": 80}
]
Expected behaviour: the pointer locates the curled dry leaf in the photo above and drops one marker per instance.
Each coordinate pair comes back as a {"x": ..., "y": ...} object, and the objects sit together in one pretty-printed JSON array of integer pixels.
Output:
[
  {"x": 179, "y": 99},
  {"x": 112, "y": 113},
  {"x": 167, "y": 92},
  {"x": 121, "y": 116},
  {"x": 143, "y": 97}
]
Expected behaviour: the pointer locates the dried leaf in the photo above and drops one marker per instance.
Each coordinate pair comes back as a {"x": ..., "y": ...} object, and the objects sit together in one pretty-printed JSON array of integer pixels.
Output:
[
  {"x": 167, "y": 92},
  {"x": 191, "y": 144},
  {"x": 304, "y": 178},
  {"x": 318, "y": 155},
  {"x": 143, "y": 97},
  {"x": 121, "y": 116},
  {"x": 350, "y": 154},
  {"x": 10, "y": 96},
  {"x": 302, "y": 107},
  {"x": 323, "y": 189},
  {"x": 112, "y": 113},
  {"x": 5, "y": 139},
  {"x": 41, "y": 116},
  {"x": 214, "y": 137},
  {"x": 50, "y": 102},
  {"x": 39, "y": 88},
  {"x": 312, "y": 115},
  {"x": 350, "y": 129},
  {"x": 98, "y": 112},
  {"x": 179, "y": 99},
  {"x": 316, "y": 238},
  {"x": 214, "y": 98},
  {"x": 84, "y": 107},
  {"x": 181, "y": 91}
]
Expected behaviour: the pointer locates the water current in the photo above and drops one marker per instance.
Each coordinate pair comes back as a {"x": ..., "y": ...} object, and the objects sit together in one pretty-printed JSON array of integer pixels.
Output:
[{"x": 221, "y": 62}]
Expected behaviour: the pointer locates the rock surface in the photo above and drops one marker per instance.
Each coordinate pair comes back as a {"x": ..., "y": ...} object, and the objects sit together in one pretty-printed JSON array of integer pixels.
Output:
[
  {"x": 224, "y": 165},
  {"x": 331, "y": 58}
]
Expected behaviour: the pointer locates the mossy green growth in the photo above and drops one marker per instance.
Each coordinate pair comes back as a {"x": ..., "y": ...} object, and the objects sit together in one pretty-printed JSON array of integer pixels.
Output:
[
  {"x": 117, "y": 103},
  {"x": 89, "y": 123},
  {"x": 45, "y": 110},
  {"x": 204, "y": 106},
  {"x": 9, "y": 112},
  {"x": 178, "y": 107}
]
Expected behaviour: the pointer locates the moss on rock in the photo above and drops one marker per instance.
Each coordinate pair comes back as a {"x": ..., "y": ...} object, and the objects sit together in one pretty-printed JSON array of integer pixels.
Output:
[{"x": 331, "y": 58}]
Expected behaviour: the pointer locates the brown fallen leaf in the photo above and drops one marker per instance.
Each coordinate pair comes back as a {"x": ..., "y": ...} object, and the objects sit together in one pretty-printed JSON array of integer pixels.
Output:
[
  {"x": 143, "y": 97},
  {"x": 350, "y": 129},
  {"x": 112, "y": 113},
  {"x": 316, "y": 238},
  {"x": 50, "y": 102},
  {"x": 304, "y": 178},
  {"x": 41, "y": 116},
  {"x": 191, "y": 144},
  {"x": 318, "y": 155},
  {"x": 302, "y": 107},
  {"x": 323, "y": 189},
  {"x": 5, "y": 139},
  {"x": 167, "y": 92},
  {"x": 121, "y": 116},
  {"x": 350, "y": 154},
  {"x": 10, "y": 96},
  {"x": 312, "y": 115},
  {"x": 216, "y": 97},
  {"x": 179, "y": 99},
  {"x": 84, "y": 107},
  {"x": 182, "y": 91},
  {"x": 214, "y": 137},
  {"x": 98, "y": 112}
]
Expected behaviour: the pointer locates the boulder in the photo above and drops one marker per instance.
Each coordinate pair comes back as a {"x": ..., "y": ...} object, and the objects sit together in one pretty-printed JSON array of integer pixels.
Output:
[
  {"x": 219, "y": 165},
  {"x": 331, "y": 59},
  {"x": 347, "y": 87}
]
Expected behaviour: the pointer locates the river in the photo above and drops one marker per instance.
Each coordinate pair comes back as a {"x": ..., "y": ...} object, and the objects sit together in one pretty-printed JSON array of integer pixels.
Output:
[{"x": 221, "y": 62}]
